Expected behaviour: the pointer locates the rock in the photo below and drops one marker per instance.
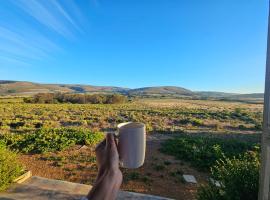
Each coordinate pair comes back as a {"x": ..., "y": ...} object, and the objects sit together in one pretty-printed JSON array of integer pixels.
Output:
[
  {"x": 23, "y": 177},
  {"x": 217, "y": 183},
  {"x": 83, "y": 147},
  {"x": 189, "y": 178}
]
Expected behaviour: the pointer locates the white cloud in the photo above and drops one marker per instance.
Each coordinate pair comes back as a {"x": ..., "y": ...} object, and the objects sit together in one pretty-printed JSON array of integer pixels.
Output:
[
  {"x": 42, "y": 14},
  {"x": 29, "y": 46},
  {"x": 65, "y": 14},
  {"x": 40, "y": 37}
]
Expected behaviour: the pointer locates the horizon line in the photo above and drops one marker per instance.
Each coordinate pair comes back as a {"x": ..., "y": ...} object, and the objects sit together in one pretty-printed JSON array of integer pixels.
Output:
[{"x": 87, "y": 84}]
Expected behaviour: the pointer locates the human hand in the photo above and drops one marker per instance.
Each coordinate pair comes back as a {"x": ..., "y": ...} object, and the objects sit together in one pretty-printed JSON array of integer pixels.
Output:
[
  {"x": 107, "y": 154},
  {"x": 109, "y": 177}
]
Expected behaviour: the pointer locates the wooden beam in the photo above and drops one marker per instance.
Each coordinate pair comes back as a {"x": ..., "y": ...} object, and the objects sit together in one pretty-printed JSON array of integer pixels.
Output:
[{"x": 265, "y": 155}]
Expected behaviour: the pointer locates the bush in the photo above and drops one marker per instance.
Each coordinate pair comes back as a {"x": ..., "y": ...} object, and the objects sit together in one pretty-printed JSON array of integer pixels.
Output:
[
  {"x": 132, "y": 176},
  {"x": 28, "y": 100},
  {"x": 197, "y": 122},
  {"x": 43, "y": 98},
  {"x": 2, "y": 144},
  {"x": 242, "y": 127},
  {"x": 76, "y": 98},
  {"x": 11, "y": 91},
  {"x": 49, "y": 140},
  {"x": 258, "y": 126},
  {"x": 209, "y": 192},
  {"x": 238, "y": 178},
  {"x": 204, "y": 151},
  {"x": 95, "y": 99},
  {"x": 9, "y": 167},
  {"x": 116, "y": 98}
]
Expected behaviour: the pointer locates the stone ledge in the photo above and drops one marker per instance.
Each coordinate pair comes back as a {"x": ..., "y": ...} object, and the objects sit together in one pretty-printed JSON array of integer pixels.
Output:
[{"x": 38, "y": 188}]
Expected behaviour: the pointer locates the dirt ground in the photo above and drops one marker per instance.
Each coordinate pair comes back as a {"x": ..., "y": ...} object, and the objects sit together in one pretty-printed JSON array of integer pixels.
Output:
[{"x": 160, "y": 175}]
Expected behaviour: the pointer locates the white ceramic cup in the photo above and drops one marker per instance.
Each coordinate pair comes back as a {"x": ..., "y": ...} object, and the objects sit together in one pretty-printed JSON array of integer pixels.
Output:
[{"x": 131, "y": 143}]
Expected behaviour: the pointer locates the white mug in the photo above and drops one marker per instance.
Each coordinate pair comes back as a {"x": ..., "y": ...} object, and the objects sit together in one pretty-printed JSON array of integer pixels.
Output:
[{"x": 131, "y": 144}]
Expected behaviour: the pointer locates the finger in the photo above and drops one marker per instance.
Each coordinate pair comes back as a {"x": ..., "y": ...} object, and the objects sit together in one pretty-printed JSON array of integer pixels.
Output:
[
  {"x": 101, "y": 145},
  {"x": 117, "y": 147},
  {"x": 116, "y": 143},
  {"x": 110, "y": 141}
]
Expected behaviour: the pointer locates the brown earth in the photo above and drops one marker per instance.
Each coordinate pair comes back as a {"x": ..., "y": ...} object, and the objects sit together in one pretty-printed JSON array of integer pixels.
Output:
[{"x": 161, "y": 174}]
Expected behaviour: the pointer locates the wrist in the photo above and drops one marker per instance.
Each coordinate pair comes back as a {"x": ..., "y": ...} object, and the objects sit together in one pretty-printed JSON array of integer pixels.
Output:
[
  {"x": 112, "y": 176},
  {"x": 107, "y": 185},
  {"x": 110, "y": 172}
]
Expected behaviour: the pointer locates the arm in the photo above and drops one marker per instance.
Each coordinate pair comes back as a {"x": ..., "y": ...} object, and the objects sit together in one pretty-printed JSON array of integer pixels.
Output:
[{"x": 106, "y": 187}]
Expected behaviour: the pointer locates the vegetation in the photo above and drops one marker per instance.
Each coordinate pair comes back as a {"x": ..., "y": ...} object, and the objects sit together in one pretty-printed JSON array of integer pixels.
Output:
[
  {"x": 234, "y": 164},
  {"x": 238, "y": 179},
  {"x": 203, "y": 151},
  {"x": 76, "y": 98},
  {"x": 22, "y": 117},
  {"x": 47, "y": 128},
  {"x": 48, "y": 140},
  {"x": 10, "y": 168}
]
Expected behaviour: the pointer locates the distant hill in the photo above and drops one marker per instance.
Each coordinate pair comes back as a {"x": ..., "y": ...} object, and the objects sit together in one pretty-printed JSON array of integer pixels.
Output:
[
  {"x": 214, "y": 94},
  {"x": 164, "y": 90},
  {"x": 24, "y": 88},
  {"x": 254, "y": 95},
  {"x": 29, "y": 88}
]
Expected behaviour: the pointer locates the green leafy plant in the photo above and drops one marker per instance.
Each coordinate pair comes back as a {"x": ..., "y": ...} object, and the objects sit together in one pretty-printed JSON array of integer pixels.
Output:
[
  {"x": 159, "y": 167},
  {"x": 133, "y": 176},
  {"x": 203, "y": 151},
  {"x": 48, "y": 140},
  {"x": 238, "y": 179},
  {"x": 10, "y": 168}
]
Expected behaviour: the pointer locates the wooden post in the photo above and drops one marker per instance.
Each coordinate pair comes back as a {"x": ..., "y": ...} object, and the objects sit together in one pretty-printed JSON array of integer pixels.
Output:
[{"x": 264, "y": 192}]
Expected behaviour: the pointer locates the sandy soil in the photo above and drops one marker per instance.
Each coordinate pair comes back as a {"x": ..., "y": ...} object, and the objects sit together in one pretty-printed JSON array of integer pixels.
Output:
[{"x": 161, "y": 174}]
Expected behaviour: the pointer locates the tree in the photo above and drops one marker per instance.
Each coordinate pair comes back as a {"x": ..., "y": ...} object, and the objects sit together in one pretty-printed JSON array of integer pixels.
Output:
[
  {"x": 116, "y": 98},
  {"x": 95, "y": 99},
  {"x": 44, "y": 98}
]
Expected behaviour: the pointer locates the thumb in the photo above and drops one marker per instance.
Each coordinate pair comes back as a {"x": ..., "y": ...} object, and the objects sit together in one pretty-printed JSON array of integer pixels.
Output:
[
  {"x": 100, "y": 146},
  {"x": 110, "y": 143}
]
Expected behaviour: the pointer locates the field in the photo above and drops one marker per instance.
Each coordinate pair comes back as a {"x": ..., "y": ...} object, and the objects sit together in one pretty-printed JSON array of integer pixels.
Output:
[
  {"x": 159, "y": 116},
  {"x": 170, "y": 123}
]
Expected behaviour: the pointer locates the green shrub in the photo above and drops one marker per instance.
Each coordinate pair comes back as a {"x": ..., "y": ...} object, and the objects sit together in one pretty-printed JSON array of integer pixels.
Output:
[
  {"x": 2, "y": 144},
  {"x": 48, "y": 140},
  {"x": 258, "y": 126},
  {"x": 238, "y": 178},
  {"x": 203, "y": 151},
  {"x": 159, "y": 167},
  {"x": 146, "y": 180},
  {"x": 10, "y": 168},
  {"x": 209, "y": 192},
  {"x": 242, "y": 127},
  {"x": 133, "y": 176},
  {"x": 197, "y": 122},
  {"x": 193, "y": 121}
]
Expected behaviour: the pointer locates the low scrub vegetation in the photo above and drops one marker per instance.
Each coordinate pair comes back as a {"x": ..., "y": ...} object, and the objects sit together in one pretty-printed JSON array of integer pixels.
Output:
[
  {"x": 203, "y": 151},
  {"x": 22, "y": 117},
  {"x": 233, "y": 164},
  {"x": 237, "y": 178},
  {"x": 10, "y": 168},
  {"x": 49, "y": 140}
]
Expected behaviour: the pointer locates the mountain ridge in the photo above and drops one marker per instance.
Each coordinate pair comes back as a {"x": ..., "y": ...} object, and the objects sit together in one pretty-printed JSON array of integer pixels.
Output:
[{"x": 10, "y": 87}]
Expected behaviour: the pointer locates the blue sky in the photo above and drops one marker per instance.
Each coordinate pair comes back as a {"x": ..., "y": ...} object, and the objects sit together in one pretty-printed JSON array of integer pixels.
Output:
[{"x": 212, "y": 45}]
